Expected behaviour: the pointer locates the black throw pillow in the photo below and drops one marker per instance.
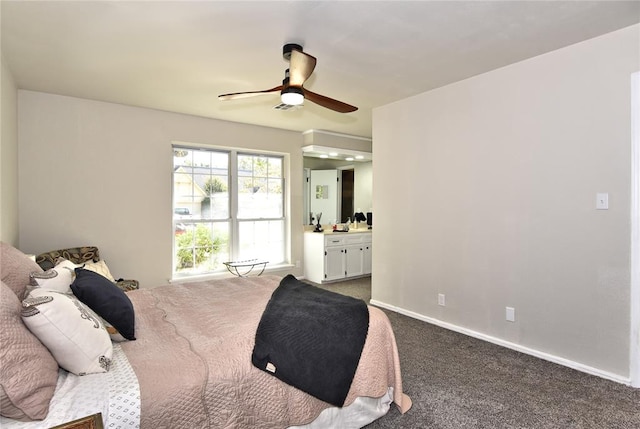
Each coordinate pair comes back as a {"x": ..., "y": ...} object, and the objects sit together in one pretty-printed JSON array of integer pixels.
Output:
[{"x": 106, "y": 299}]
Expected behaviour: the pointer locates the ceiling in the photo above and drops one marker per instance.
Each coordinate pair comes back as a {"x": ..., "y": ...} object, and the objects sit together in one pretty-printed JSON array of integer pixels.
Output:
[{"x": 178, "y": 56}]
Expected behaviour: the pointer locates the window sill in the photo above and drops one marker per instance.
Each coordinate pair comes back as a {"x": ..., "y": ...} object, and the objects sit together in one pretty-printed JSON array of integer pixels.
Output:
[{"x": 269, "y": 269}]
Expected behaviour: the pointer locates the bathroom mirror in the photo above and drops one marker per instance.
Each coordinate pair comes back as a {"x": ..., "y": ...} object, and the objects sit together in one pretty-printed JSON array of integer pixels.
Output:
[{"x": 336, "y": 184}]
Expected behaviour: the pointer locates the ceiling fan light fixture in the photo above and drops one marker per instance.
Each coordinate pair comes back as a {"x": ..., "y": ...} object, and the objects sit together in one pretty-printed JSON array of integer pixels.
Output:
[{"x": 292, "y": 96}]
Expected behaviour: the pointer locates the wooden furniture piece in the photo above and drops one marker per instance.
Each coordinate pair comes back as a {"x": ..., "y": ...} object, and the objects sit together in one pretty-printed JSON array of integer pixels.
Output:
[{"x": 90, "y": 422}]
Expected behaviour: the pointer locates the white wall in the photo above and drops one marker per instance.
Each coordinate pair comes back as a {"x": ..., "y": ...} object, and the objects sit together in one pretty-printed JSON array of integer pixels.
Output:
[
  {"x": 336, "y": 140},
  {"x": 8, "y": 157},
  {"x": 635, "y": 231},
  {"x": 363, "y": 186},
  {"x": 498, "y": 182},
  {"x": 94, "y": 173}
]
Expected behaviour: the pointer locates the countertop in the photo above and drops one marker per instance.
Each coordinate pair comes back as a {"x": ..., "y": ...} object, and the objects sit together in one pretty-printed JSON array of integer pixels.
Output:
[{"x": 328, "y": 230}]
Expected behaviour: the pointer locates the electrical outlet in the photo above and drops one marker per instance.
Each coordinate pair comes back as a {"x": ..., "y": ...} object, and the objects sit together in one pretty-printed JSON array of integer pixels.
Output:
[
  {"x": 441, "y": 299},
  {"x": 297, "y": 264},
  {"x": 510, "y": 314}
]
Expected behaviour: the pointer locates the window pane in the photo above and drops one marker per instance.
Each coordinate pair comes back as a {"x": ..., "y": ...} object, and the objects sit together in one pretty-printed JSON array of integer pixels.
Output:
[
  {"x": 214, "y": 201},
  {"x": 182, "y": 157},
  {"x": 200, "y": 191},
  {"x": 260, "y": 187},
  {"x": 201, "y": 159},
  {"x": 275, "y": 167},
  {"x": 260, "y": 166},
  {"x": 262, "y": 240},
  {"x": 200, "y": 184},
  {"x": 215, "y": 205},
  {"x": 199, "y": 195},
  {"x": 245, "y": 165},
  {"x": 201, "y": 247},
  {"x": 183, "y": 193}
]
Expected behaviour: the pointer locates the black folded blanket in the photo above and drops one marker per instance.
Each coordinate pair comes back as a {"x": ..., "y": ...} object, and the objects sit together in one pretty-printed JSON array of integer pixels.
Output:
[{"x": 312, "y": 339}]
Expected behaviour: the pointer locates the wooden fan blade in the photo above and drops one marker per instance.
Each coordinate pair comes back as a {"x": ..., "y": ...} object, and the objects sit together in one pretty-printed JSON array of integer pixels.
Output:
[
  {"x": 301, "y": 66},
  {"x": 236, "y": 95},
  {"x": 329, "y": 103}
]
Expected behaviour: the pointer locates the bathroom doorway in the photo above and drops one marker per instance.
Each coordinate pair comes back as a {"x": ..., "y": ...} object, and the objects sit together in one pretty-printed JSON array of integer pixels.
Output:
[{"x": 347, "y": 181}]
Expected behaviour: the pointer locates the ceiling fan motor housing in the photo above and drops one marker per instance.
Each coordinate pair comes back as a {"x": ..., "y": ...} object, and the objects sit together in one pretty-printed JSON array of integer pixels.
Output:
[{"x": 286, "y": 50}]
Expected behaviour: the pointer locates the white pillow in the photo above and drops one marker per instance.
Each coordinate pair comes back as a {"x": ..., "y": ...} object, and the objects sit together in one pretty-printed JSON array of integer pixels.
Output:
[
  {"x": 76, "y": 339},
  {"x": 99, "y": 267},
  {"x": 114, "y": 334},
  {"x": 58, "y": 278}
]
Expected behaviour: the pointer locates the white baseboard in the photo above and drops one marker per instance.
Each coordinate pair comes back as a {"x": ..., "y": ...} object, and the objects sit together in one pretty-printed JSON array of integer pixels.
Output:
[{"x": 517, "y": 347}]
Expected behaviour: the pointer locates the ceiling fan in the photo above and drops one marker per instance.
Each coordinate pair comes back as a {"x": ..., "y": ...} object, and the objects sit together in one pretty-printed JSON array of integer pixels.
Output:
[{"x": 292, "y": 92}]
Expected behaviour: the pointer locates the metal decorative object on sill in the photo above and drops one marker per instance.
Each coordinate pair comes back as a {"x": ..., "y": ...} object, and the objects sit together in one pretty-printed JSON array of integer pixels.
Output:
[{"x": 244, "y": 268}]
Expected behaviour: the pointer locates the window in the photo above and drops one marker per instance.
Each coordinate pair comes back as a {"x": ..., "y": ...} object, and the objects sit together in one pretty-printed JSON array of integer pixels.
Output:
[{"x": 227, "y": 205}]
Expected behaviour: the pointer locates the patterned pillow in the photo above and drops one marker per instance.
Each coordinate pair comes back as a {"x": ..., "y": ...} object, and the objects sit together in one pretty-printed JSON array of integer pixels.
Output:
[
  {"x": 99, "y": 267},
  {"x": 77, "y": 255},
  {"x": 28, "y": 373},
  {"x": 111, "y": 330},
  {"x": 15, "y": 268},
  {"x": 58, "y": 278},
  {"x": 76, "y": 339}
]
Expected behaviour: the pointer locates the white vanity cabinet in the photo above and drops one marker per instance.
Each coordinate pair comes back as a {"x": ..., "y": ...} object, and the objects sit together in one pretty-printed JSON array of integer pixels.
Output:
[
  {"x": 366, "y": 257},
  {"x": 336, "y": 256},
  {"x": 334, "y": 263}
]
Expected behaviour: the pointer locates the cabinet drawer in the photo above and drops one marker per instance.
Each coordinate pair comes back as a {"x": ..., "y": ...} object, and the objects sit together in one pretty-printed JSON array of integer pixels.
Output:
[
  {"x": 330, "y": 241},
  {"x": 356, "y": 238},
  {"x": 341, "y": 240}
]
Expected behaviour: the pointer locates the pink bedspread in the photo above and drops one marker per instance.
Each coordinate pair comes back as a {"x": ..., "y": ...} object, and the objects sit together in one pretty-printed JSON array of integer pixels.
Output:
[{"x": 192, "y": 357}]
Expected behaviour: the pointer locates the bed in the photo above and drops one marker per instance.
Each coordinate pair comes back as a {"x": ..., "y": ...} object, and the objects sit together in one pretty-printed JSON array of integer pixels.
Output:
[{"x": 190, "y": 366}]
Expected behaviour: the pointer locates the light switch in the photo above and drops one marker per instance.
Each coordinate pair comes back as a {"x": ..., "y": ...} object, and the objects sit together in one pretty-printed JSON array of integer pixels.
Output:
[{"x": 602, "y": 201}]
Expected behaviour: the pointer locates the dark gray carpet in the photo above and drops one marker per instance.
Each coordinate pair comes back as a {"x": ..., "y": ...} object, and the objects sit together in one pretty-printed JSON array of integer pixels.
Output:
[{"x": 456, "y": 381}]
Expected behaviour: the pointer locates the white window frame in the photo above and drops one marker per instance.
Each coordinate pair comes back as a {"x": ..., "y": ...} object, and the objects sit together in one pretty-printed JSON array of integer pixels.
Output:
[{"x": 233, "y": 220}]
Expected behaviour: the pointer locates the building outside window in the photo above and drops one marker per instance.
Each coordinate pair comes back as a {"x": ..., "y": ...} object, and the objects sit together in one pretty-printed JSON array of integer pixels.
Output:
[{"x": 227, "y": 205}]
